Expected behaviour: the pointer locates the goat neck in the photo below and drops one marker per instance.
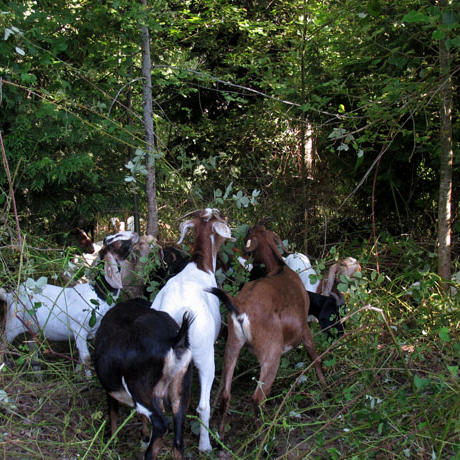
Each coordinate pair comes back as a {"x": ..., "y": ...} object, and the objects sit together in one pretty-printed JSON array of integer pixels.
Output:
[
  {"x": 206, "y": 246},
  {"x": 211, "y": 230},
  {"x": 262, "y": 244},
  {"x": 104, "y": 290}
]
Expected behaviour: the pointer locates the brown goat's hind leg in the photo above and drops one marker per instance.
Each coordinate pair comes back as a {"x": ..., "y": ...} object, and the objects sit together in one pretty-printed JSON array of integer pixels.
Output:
[
  {"x": 307, "y": 340},
  {"x": 269, "y": 363},
  {"x": 232, "y": 351}
]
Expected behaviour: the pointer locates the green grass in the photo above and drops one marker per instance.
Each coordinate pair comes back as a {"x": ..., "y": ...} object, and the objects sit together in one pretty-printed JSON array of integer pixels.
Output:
[{"x": 393, "y": 391}]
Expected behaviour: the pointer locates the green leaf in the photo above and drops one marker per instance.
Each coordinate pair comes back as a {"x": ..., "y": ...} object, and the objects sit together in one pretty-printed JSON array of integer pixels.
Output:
[
  {"x": 449, "y": 18},
  {"x": 416, "y": 17},
  {"x": 453, "y": 370},
  {"x": 444, "y": 334},
  {"x": 421, "y": 383},
  {"x": 92, "y": 319},
  {"x": 330, "y": 362},
  {"x": 438, "y": 35}
]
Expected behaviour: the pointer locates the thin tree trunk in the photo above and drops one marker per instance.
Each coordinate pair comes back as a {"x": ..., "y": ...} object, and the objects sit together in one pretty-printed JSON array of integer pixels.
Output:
[
  {"x": 152, "y": 212},
  {"x": 129, "y": 104},
  {"x": 446, "y": 162},
  {"x": 303, "y": 128}
]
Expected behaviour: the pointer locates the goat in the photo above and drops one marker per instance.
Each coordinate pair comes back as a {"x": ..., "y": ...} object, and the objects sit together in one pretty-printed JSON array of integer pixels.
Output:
[
  {"x": 82, "y": 240},
  {"x": 301, "y": 264},
  {"x": 325, "y": 309},
  {"x": 186, "y": 292},
  {"x": 328, "y": 285},
  {"x": 168, "y": 262},
  {"x": 142, "y": 359},
  {"x": 171, "y": 261},
  {"x": 71, "y": 312},
  {"x": 117, "y": 224},
  {"x": 76, "y": 266},
  {"x": 132, "y": 272},
  {"x": 270, "y": 314}
]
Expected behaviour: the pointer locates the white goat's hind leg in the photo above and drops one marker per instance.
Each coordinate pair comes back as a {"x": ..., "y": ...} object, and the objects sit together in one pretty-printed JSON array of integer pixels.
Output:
[
  {"x": 13, "y": 325},
  {"x": 33, "y": 349},
  {"x": 83, "y": 354},
  {"x": 206, "y": 369}
]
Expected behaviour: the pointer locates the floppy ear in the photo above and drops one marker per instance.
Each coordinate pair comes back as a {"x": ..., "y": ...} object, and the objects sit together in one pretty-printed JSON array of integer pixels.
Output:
[
  {"x": 279, "y": 241},
  {"x": 184, "y": 226},
  {"x": 330, "y": 280},
  {"x": 111, "y": 271},
  {"x": 222, "y": 229},
  {"x": 272, "y": 240}
]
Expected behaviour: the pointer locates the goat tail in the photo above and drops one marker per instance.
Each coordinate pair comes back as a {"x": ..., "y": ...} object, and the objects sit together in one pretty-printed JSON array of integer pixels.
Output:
[
  {"x": 224, "y": 298},
  {"x": 182, "y": 338}
]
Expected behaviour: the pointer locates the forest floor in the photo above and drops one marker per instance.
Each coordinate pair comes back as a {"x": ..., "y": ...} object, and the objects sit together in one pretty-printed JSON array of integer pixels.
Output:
[{"x": 393, "y": 392}]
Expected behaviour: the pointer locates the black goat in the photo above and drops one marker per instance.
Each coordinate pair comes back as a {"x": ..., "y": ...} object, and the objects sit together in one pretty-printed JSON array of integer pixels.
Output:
[
  {"x": 171, "y": 262},
  {"x": 327, "y": 310},
  {"x": 142, "y": 359}
]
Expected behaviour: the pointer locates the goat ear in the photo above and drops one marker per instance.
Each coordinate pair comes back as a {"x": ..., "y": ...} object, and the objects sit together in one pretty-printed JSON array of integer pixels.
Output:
[
  {"x": 184, "y": 226},
  {"x": 111, "y": 271},
  {"x": 273, "y": 243},
  {"x": 222, "y": 229},
  {"x": 330, "y": 280},
  {"x": 279, "y": 241}
]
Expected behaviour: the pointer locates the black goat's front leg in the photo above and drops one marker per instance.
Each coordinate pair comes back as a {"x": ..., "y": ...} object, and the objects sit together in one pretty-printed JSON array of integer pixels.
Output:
[{"x": 159, "y": 428}]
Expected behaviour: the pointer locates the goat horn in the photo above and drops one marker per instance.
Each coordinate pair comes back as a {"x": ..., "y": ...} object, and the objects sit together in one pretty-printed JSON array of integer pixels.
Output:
[
  {"x": 184, "y": 226},
  {"x": 195, "y": 213}
]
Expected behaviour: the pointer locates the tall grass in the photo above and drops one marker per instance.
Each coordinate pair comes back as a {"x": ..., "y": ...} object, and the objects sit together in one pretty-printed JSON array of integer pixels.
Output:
[{"x": 393, "y": 381}]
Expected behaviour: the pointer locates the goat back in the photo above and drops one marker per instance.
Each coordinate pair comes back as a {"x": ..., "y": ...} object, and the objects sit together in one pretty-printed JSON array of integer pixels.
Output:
[{"x": 278, "y": 293}]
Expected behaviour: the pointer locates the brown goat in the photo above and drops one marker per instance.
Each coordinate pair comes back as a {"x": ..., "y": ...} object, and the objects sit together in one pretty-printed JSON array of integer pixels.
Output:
[{"x": 270, "y": 314}]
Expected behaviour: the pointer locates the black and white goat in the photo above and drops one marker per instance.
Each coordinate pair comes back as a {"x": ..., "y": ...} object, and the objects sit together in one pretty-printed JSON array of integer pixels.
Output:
[
  {"x": 167, "y": 262},
  {"x": 185, "y": 292},
  {"x": 142, "y": 359},
  {"x": 69, "y": 313}
]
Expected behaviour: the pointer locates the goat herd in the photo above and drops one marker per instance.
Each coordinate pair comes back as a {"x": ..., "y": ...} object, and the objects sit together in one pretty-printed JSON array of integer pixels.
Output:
[{"x": 143, "y": 350}]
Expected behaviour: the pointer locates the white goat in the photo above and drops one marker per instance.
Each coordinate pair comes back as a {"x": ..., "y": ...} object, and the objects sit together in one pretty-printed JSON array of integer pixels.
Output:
[
  {"x": 301, "y": 264},
  {"x": 185, "y": 292},
  {"x": 72, "y": 312}
]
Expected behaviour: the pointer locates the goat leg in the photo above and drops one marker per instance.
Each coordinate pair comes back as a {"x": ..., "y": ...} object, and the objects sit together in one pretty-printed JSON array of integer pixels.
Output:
[
  {"x": 269, "y": 360},
  {"x": 232, "y": 351},
  {"x": 307, "y": 340},
  {"x": 112, "y": 405}
]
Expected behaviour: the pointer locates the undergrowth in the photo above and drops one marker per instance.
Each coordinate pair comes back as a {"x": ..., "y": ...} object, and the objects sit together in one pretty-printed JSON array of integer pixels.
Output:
[{"x": 393, "y": 379}]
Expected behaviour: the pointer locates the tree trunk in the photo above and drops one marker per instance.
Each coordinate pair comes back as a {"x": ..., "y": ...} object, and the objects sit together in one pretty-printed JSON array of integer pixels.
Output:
[
  {"x": 129, "y": 104},
  {"x": 446, "y": 162},
  {"x": 303, "y": 134},
  {"x": 152, "y": 212}
]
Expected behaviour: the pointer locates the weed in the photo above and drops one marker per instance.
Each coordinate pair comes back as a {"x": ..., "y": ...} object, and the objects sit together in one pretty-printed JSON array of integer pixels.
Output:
[{"x": 393, "y": 382}]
